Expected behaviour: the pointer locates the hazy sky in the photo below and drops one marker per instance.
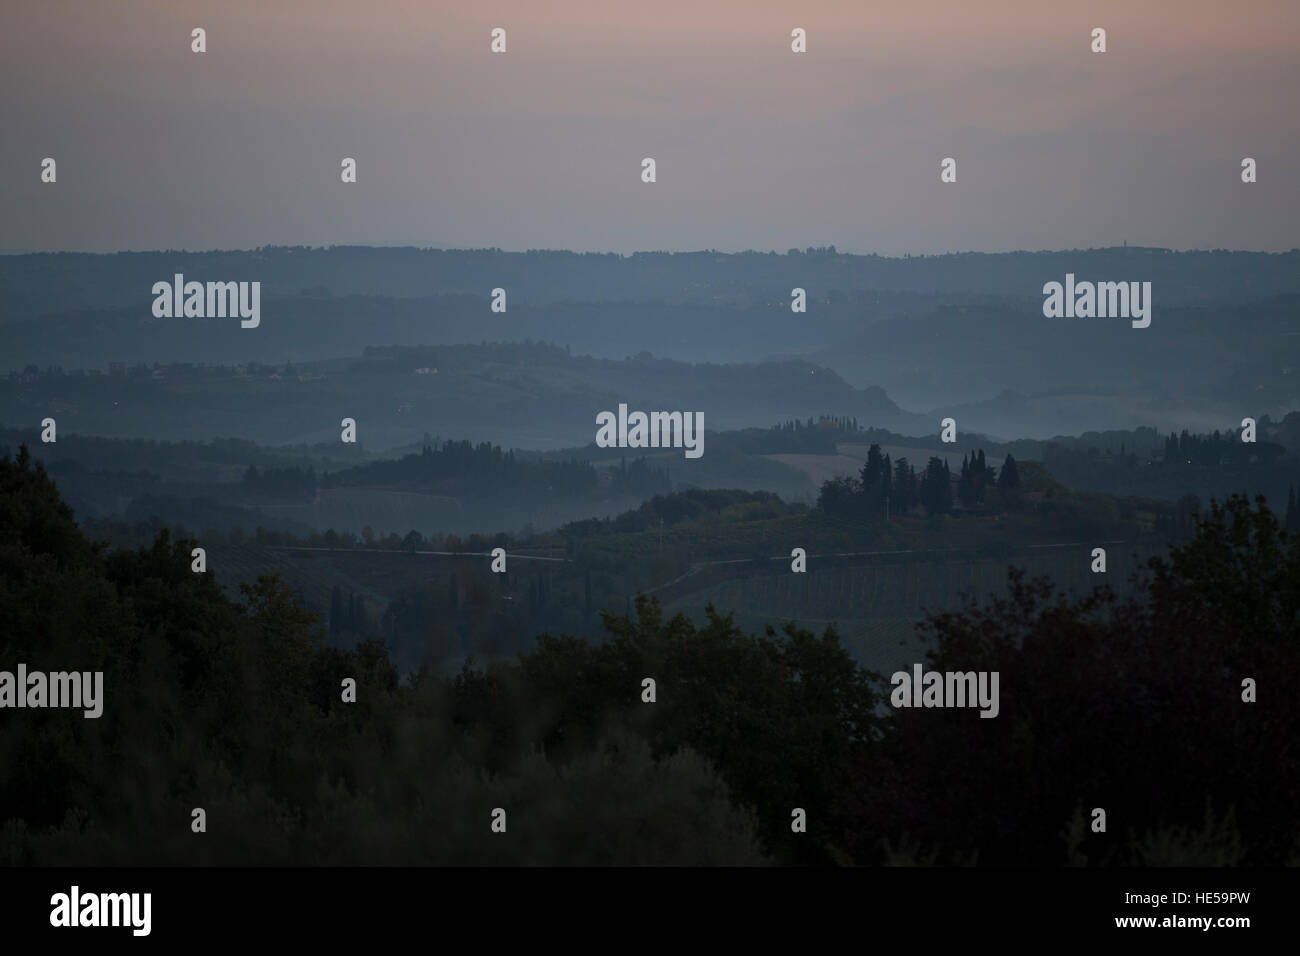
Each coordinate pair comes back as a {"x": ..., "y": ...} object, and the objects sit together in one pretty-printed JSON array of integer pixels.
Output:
[{"x": 757, "y": 147}]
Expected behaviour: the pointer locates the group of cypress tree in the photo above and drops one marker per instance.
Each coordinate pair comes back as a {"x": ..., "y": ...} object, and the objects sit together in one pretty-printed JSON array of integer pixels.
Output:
[{"x": 884, "y": 488}]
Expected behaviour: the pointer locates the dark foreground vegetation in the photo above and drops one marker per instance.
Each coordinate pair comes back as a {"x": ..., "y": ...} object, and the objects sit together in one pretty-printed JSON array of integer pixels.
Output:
[{"x": 1133, "y": 705}]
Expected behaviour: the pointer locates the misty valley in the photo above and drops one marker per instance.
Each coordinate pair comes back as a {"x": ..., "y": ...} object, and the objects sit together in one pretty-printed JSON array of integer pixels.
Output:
[{"x": 638, "y": 550}]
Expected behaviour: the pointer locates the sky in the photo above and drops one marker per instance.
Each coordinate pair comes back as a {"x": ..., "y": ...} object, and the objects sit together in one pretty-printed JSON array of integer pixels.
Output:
[{"x": 755, "y": 147}]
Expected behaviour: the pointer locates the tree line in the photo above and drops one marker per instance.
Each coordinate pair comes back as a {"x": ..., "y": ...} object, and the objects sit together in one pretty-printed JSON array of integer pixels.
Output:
[
  {"x": 463, "y": 468},
  {"x": 883, "y": 489},
  {"x": 1144, "y": 707}
]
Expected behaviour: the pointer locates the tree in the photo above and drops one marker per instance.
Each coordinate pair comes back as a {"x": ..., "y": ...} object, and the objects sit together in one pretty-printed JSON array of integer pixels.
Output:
[
  {"x": 1170, "y": 660},
  {"x": 874, "y": 484},
  {"x": 936, "y": 491},
  {"x": 871, "y": 468},
  {"x": 839, "y": 495},
  {"x": 781, "y": 715},
  {"x": 1009, "y": 483},
  {"x": 1009, "y": 476},
  {"x": 904, "y": 490},
  {"x": 966, "y": 485}
]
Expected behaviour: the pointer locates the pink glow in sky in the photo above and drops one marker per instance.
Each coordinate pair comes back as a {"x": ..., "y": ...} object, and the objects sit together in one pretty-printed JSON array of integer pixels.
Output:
[{"x": 757, "y": 147}]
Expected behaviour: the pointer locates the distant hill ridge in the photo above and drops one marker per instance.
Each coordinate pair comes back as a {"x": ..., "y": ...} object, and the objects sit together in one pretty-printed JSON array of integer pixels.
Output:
[{"x": 36, "y": 284}]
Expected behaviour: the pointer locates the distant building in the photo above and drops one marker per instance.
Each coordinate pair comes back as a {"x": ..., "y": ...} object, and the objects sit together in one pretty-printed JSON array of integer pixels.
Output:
[{"x": 117, "y": 368}]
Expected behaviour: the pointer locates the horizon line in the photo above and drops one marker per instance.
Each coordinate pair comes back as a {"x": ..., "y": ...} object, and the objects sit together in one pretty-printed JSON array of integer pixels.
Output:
[{"x": 829, "y": 250}]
